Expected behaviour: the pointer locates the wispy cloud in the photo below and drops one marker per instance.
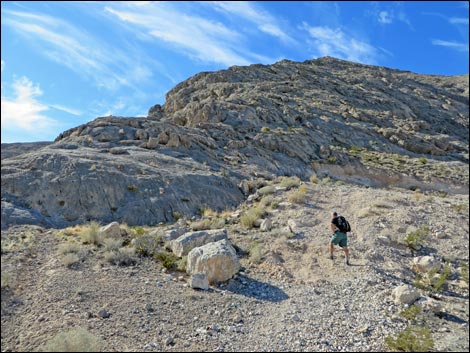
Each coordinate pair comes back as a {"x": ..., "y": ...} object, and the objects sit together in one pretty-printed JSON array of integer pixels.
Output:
[
  {"x": 199, "y": 38},
  {"x": 384, "y": 17},
  {"x": 24, "y": 111},
  {"x": 79, "y": 51},
  {"x": 253, "y": 13},
  {"x": 66, "y": 109},
  {"x": 458, "y": 21},
  {"x": 463, "y": 47},
  {"x": 334, "y": 42}
]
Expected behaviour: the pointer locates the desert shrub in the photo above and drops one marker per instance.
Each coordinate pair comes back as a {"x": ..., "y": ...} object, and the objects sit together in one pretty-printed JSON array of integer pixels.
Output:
[
  {"x": 66, "y": 248},
  {"x": 6, "y": 280},
  {"x": 290, "y": 182},
  {"x": 207, "y": 212},
  {"x": 265, "y": 129},
  {"x": 182, "y": 263},
  {"x": 299, "y": 195},
  {"x": 132, "y": 188},
  {"x": 203, "y": 224},
  {"x": 331, "y": 160},
  {"x": 325, "y": 180},
  {"x": 415, "y": 239},
  {"x": 76, "y": 340},
  {"x": 314, "y": 179},
  {"x": 111, "y": 244},
  {"x": 177, "y": 215},
  {"x": 411, "y": 313},
  {"x": 256, "y": 253},
  {"x": 121, "y": 257},
  {"x": 433, "y": 280},
  {"x": 90, "y": 234},
  {"x": 417, "y": 196},
  {"x": 168, "y": 260},
  {"x": 355, "y": 149},
  {"x": 70, "y": 259},
  {"x": 460, "y": 208},
  {"x": 137, "y": 231},
  {"x": 423, "y": 160},
  {"x": 249, "y": 217},
  {"x": 147, "y": 245},
  {"x": 266, "y": 201},
  {"x": 412, "y": 339}
]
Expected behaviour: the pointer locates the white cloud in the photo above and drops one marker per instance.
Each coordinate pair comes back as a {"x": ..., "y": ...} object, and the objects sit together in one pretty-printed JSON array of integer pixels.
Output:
[
  {"x": 451, "y": 44},
  {"x": 66, "y": 109},
  {"x": 385, "y": 17},
  {"x": 249, "y": 11},
  {"x": 334, "y": 42},
  {"x": 24, "y": 111},
  {"x": 458, "y": 20},
  {"x": 106, "y": 66},
  {"x": 199, "y": 38}
]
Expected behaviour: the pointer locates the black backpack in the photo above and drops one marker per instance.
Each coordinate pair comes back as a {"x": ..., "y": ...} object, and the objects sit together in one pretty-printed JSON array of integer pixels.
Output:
[{"x": 343, "y": 224}]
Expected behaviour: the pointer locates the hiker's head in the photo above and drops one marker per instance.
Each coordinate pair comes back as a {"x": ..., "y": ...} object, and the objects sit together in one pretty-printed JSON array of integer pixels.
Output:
[{"x": 335, "y": 214}]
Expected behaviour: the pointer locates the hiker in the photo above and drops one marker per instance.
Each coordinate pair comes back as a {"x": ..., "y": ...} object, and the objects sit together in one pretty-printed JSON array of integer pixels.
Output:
[{"x": 339, "y": 235}]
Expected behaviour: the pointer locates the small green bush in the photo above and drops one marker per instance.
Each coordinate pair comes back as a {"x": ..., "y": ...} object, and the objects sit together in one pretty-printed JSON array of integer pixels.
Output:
[
  {"x": 411, "y": 313},
  {"x": 299, "y": 195},
  {"x": 90, "y": 234},
  {"x": 122, "y": 257},
  {"x": 314, "y": 179},
  {"x": 331, "y": 160},
  {"x": 249, "y": 217},
  {"x": 182, "y": 263},
  {"x": 168, "y": 260},
  {"x": 132, "y": 188},
  {"x": 256, "y": 253},
  {"x": 290, "y": 182},
  {"x": 76, "y": 340},
  {"x": 423, "y": 160},
  {"x": 147, "y": 245},
  {"x": 66, "y": 248},
  {"x": 412, "y": 339},
  {"x": 415, "y": 239},
  {"x": 111, "y": 244},
  {"x": 432, "y": 281}
]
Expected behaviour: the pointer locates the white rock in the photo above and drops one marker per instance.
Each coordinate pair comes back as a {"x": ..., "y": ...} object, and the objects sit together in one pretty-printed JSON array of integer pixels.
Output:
[
  {"x": 190, "y": 240},
  {"x": 112, "y": 230},
  {"x": 429, "y": 304},
  {"x": 266, "y": 225},
  {"x": 405, "y": 294},
  {"x": 199, "y": 280},
  {"x": 218, "y": 260},
  {"x": 425, "y": 264}
]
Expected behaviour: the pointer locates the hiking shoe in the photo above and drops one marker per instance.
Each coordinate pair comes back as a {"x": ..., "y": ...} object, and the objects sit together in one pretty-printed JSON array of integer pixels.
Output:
[
  {"x": 331, "y": 257},
  {"x": 347, "y": 262}
]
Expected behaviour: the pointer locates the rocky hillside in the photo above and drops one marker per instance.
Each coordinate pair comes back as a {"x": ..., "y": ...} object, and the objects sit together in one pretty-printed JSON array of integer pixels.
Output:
[
  {"x": 220, "y": 135},
  {"x": 288, "y": 295}
]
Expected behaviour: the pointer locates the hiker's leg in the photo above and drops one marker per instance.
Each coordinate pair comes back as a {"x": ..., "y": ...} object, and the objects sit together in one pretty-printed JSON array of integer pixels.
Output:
[
  {"x": 332, "y": 248},
  {"x": 346, "y": 252}
]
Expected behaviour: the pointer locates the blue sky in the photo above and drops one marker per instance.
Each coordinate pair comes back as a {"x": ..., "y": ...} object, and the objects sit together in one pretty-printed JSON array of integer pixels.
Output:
[{"x": 66, "y": 63}]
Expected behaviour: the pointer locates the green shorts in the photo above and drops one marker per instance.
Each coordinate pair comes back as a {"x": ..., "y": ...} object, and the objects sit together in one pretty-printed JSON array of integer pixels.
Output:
[{"x": 339, "y": 238}]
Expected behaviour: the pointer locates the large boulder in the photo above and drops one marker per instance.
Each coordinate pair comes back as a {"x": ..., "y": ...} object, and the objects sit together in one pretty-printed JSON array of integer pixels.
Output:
[
  {"x": 111, "y": 230},
  {"x": 217, "y": 260},
  {"x": 405, "y": 294},
  {"x": 425, "y": 264},
  {"x": 199, "y": 281},
  {"x": 173, "y": 234},
  {"x": 190, "y": 240}
]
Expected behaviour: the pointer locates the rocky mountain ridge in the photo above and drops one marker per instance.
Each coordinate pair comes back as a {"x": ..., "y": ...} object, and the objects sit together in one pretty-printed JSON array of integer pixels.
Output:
[{"x": 220, "y": 135}]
